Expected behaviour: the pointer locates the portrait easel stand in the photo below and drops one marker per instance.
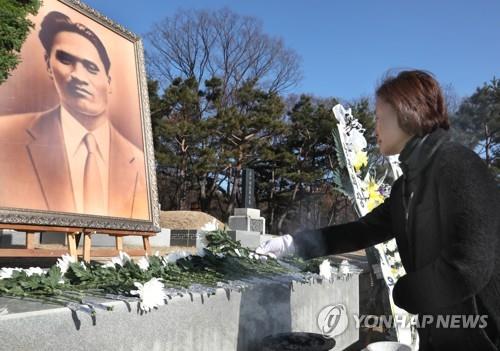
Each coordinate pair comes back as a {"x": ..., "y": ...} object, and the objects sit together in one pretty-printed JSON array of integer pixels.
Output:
[{"x": 86, "y": 252}]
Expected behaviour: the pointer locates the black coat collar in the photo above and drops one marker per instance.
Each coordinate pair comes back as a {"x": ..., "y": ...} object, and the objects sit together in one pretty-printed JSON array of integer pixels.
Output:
[{"x": 418, "y": 152}]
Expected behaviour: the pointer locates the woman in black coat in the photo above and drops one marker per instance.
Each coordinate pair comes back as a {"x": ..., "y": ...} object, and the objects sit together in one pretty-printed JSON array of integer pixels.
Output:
[{"x": 444, "y": 213}]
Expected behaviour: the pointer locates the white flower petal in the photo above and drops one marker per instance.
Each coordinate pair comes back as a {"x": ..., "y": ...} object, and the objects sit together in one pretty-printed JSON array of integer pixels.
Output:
[
  {"x": 108, "y": 265},
  {"x": 64, "y": 262},
  {"x": 270, "y": 254},
  {"x": 143, "y": 263},
  {"x": 175, "y": 256},
  {"x": 151, "y": 293},
  {"x": 344, "y": 267},
  {"x": 7, "y": 272},
  {"x": 210, "y": 226},
  {"x": 121, "y": 259},
  {"x": 357, "y": 140},
  {"x": 34, "y": 270},
  {"x": 325, "y": 270}
]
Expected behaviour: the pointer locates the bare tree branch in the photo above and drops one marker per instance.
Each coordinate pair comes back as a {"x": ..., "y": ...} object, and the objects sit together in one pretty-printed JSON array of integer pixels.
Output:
[{"x": 223, "y": 44}]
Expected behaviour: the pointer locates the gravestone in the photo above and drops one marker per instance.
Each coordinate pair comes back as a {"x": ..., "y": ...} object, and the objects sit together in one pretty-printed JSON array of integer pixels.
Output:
[
  {"x": 246, "y": 224},
  {"x": 248, "y": 188}
]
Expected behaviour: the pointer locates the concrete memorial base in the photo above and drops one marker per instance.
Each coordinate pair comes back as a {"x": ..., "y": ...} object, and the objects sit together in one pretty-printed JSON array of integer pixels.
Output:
[
  {"x": 247, "y": 239},
  {"x": 247, "y": 219},
  {"x": 228, "y": 320}
]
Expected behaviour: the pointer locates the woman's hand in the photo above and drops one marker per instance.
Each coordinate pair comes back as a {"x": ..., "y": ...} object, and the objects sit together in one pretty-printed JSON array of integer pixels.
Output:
[{"x": 277, "y": 247}]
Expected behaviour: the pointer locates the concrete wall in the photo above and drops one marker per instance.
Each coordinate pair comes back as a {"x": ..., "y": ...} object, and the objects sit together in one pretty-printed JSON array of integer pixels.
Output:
[{"x": 225, "y": 321}]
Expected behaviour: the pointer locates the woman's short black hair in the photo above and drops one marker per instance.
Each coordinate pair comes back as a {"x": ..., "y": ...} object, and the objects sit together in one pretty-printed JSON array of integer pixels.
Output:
[{"x": 418, "y": 100}]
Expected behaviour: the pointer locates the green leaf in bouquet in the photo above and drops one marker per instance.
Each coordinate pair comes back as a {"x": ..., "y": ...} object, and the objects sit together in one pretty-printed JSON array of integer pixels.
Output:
[
  {"x": 339, "y": 150},
  {"x": 53, "y": 277}
]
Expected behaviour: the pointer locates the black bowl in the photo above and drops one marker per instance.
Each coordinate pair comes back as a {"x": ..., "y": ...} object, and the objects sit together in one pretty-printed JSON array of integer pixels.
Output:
[{"x": 297, "y": 341}]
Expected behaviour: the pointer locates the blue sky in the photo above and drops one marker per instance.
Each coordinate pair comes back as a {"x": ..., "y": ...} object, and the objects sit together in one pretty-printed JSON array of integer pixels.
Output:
[{"x": 346, "y": 46}]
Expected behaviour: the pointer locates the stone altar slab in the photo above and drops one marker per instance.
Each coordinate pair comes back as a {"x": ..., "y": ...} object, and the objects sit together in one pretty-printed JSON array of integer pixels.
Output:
[{"x": 224, "y": 321}]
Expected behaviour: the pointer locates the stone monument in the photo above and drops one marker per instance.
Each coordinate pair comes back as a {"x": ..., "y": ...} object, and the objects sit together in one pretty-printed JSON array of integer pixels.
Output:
[{"x": 246, "y": 225}]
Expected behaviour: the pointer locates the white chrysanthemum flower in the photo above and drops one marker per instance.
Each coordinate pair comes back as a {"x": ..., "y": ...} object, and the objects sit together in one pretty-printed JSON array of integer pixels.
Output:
[
  {"x": 7, "y": 272},
  {"x": 34, "y": 270},
  {"x": 174, "y": 257},
  {"x": 151, "y": 293},
  {"x": 344, "y": 267},
  {"x": 210, "y": 226},
  {"x": 121, "y": 259},
  {"x": 357, "y": 140},
  {"x": 340, "y": 114},
  {"x": 325, "y": 270},
  {"x": 64, "y": 262},
  {"x": 143, "y": 263},
  {"x": 255, "y": 256},
  {"x": 201, "y": 240},
  {"x": 271, "y": 255},
  {"x": 108, "y": 265}
]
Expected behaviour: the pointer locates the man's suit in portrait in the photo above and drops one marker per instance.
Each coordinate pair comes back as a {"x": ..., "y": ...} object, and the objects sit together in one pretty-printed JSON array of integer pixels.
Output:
[{"x": 35, "y": 172}]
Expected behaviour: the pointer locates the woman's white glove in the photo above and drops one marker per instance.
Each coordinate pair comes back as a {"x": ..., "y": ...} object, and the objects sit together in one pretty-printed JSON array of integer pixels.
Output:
[{"x": 277, "y": 247}]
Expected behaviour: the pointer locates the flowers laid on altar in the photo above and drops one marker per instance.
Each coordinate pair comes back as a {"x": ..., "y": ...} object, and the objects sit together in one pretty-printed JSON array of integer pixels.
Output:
[
  {"x": 210, "y": 226},
  {"x": 151, "y": 293},
  {"x": 64, "y": 262},
  {"x": 151, "y": 279},
  {"x": 201, "y": 241},
  {"x": 34, "y": 270},
  {"x": 143, "y": 263},
  {"x": 120, "y": 260},
  {"x": 173, "y": 257},
  {"x": 7, "y": 272},
  {"x": 325, "y": 270}
]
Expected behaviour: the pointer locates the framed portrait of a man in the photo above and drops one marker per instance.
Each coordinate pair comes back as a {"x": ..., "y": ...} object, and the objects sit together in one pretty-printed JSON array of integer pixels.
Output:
[{"x": 75, "y": 132}]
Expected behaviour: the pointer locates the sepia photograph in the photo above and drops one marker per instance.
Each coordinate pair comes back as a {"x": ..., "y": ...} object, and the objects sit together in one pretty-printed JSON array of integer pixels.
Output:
[{"x": 71, "y": 124}]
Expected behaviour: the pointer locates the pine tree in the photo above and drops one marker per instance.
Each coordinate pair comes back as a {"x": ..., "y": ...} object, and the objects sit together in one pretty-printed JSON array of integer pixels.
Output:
[
  {"x": 477, "y": 124},
  {"x": 14, "y": 29}
]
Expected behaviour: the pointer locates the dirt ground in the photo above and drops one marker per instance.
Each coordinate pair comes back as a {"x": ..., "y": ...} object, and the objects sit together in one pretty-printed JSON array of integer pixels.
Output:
[{"x": 186, "y": 219}]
